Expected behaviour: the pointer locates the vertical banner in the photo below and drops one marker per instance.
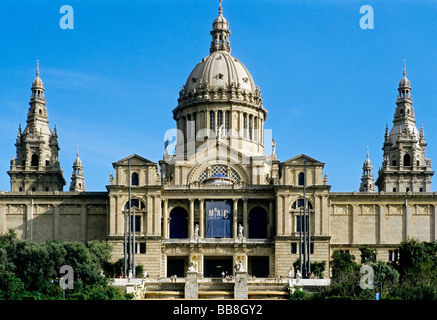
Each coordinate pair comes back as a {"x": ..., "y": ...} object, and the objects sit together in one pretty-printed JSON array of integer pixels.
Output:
[{"x": 218, "y": 218}]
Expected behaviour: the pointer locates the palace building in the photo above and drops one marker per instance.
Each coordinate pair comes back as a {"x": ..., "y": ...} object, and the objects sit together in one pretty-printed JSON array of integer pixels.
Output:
[{"x": 219, "y": 200}]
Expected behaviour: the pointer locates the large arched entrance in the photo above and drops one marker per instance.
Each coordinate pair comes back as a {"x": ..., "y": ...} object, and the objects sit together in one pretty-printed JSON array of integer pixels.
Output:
[
  {"x": 178, "y": 223},
  {"x": 257, "y": 223}
]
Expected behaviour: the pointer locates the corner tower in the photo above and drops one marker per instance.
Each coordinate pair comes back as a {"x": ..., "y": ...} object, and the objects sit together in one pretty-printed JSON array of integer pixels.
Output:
[
  {"x": 77, "y": 179},
  {"x": 367, "y": 181},
  {"x": 405, "y": 167},
  {"x": 36, "y": 166}
]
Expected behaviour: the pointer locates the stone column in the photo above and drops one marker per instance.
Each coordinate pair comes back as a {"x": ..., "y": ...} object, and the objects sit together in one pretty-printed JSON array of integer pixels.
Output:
[
  {"x": 202, "y": 218},
  {"x": 434, "y": 223},
  {"x": 234, "y": 218},
  {"x": 191, "y": 290},
  {"x": 3, "y": 226},
  {"x": 287, "y": 215},
  {"x": 165, "y": 219},
  {"x": 156, "y": 215},
  {"x": 408, "y": 214},
  {"x": 245, "y": 218},
  {"x": 56, "y": 222},
  {"x": 270, "y": 219},
  {"x": 29, "y": 220},
  {"x": 279, "y": 216},
  {"x": 240, "y": 287},
  {"x": 112, "y": 215},
  {"x": 354, "y": 231},
  {"x": 382, "y": 209},
  {"x": 191, "y": 220},
  {"x": 83, "y": 223}
]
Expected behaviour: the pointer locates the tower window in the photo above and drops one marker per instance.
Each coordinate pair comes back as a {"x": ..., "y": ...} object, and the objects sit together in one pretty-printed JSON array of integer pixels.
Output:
[
  {"x": 34, "y": 161},
  {"x": 407, "y": 160},
  {"x": 393, "y": 162},
  {"x": 301, "y": 179},
  {"x": 219, "y": 119},
  {"x": 47, "y": 163},
  {"x": 212, "y": 122},
  {"x": 227, "y": 118},
  {"x": 418, "y": 163},
  {"x": 135, "y": 179}
]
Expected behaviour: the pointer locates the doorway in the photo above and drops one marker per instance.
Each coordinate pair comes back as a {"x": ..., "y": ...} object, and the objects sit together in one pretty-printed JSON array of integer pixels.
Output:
[
  {"x": 259, "y": 266},
  {"x": 216, "y": 266},
  {"x": 176, "y": 266}
]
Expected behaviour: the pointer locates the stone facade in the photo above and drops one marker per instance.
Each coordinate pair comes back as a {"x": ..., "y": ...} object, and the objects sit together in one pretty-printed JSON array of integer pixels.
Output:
[{"x": 219, "y": 177}]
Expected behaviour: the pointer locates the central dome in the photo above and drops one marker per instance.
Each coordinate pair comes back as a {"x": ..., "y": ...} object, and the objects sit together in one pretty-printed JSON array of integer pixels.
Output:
[
  {"x": 220, "y": 70},
  {"x": 220, "y": 76}
]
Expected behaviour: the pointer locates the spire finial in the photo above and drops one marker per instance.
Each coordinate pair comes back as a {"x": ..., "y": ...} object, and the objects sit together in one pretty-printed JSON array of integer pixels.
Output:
[
  {"x": 405, "y": 67},
  {"x": 37, "y": 68},
  {"x": 77, "y": 153},
  {"x": 367, "y": 152},
  {"x": 220, "y": 7}
]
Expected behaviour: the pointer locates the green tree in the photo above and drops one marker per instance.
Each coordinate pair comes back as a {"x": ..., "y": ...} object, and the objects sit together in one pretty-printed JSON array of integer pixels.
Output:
[{"x": 368, "y": 255}]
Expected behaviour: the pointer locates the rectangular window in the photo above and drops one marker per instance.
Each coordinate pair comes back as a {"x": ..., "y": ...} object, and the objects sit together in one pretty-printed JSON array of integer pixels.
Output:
[
  {"x": 293, "y": 247},
  {"x": 300, "y": 227},
  {"x": 393, "y": 255},
  {"x": 137, "y": 224},
  {"x": 142, "y": 247}
]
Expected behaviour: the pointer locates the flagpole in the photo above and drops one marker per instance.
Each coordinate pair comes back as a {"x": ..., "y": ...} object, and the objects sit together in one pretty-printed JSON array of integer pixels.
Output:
[
  {"x": 304, "y": 215},
  {"x": 130, "y": 221},
  {"x": 133, "y": 245},
  {"x": 125, "y": 242}
]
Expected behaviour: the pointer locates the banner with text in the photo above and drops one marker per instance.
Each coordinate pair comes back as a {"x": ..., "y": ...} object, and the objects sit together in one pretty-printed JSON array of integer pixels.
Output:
[{"x": 218, "y": 218}]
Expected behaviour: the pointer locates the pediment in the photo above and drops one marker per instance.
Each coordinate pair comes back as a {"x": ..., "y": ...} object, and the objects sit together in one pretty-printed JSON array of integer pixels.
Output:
[
  {"x": 299, "y": 160},
  {"x": 135, "y": 160}
]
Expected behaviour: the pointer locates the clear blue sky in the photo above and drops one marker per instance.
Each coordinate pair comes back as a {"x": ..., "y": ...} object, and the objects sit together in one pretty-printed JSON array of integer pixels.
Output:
[{"x": 111, "y": 82}]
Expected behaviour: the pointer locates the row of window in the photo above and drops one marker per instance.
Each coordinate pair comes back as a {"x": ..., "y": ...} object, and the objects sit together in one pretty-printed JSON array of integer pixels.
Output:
[
  {"x": 295, "y": 246},
  {"x": 140, "y": 247},
  {"x": 217, "y": 119},
  {"x": 407, "y": 190},
  {"x": 393, "y": 255},
  {"x": 407, "y": 161}
]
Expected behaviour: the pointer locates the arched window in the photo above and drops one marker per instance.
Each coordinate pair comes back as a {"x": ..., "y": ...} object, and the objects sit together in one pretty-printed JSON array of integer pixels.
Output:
[
  {"x": 407, "y": 160},
  {"x": 219, "y": 119},
  {"x": 135, "y": 179},
  {"x": 212, "y": 123},
  {"x": 257, "y": 223},
  {"x": 227, "y": 118},
  {"x": 135, "y": 203},
  {"x": 244, "y": 125},
  {"x": 301, "y": 179},
  {"x": 34, "y": 161},
  {"x": 299, "y": 203},
  {"x": 178, "y": 223}
]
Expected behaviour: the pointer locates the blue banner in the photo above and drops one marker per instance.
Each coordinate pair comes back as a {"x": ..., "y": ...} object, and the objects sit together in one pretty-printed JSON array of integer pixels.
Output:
[{"x": 218, "y": 218}]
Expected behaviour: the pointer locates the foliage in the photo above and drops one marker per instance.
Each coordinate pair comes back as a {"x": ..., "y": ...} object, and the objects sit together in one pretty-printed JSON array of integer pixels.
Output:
[
  {"x": 31, "y": 270},
  {"x": 317, "y": 268},
  {"x": 299, "y": 294},
  {"x": 368, "y": 255}
]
